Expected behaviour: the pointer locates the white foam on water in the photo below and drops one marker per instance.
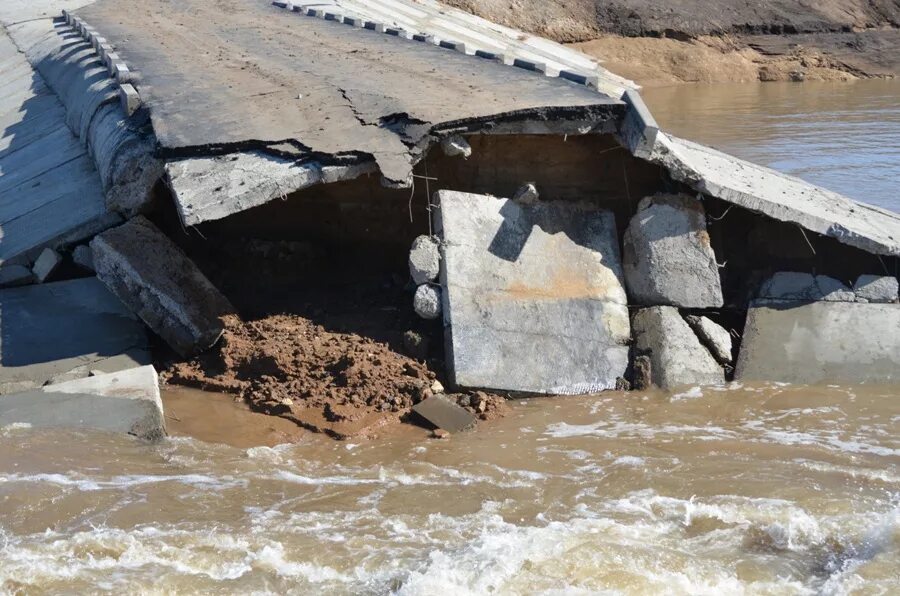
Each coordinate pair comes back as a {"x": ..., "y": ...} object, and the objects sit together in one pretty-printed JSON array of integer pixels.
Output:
[
  {"x": 692, "y": 393},
  {"x": 88, "y": 484}
]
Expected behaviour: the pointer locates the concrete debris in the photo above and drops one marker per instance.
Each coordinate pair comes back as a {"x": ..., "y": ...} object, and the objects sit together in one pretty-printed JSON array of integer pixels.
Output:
[
  {"x": 821, "y": 342},
  {"x": 83, "y": 257},
  {"x": 161, "y": 285},
  {"x": 714, "y": 337},
  {"x": 46, "y": 264},
  {"x": 791, "y": 286},
  {"x": 875, "y": 288},
  {"x": 425, "y": 259},
  {"x": 12, "y": 276},
  {"x": 123, "y": 402},
  {"x": 437, "y": 387},
  {"x": 62, "y": 330},
  {"x": 527, "y": 194},
  {"x": 667, "y": 255},
  {"x": 444, "y": 414},
  {"x": 427, "y": 302},
  {"x": 456, "y": 145},
  {"x": 676, "y": 355},
  {"x": 534, "y": 293}
]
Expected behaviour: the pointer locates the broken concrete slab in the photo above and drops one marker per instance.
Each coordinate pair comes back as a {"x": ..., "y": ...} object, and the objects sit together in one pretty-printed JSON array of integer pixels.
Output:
[
  {"x": 127, "y": 401},
  {"x": 51, "y": 329},
  {"x": 444, "y": 414},
  {"x": 713, "y": 336},
  {"x": 821, "y": 342},
  {"x": 533, "y": 296},
  {"x": 427, "y": 302},
  {"x": 668, "y": 257},
  {"x": 12, "y": 276},
  {"x": 46, "y": 264},
  {"x": 157, "y": 281},
  {"x": 877, "y": 288},
  {"x": 792, "y": 286},
  {"x": 676, "y": 355},
  {"x": 425, "y": 259}
]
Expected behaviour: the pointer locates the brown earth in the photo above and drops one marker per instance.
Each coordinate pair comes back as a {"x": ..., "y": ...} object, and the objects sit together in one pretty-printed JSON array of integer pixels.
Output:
[{"x": 716, "y": 41}]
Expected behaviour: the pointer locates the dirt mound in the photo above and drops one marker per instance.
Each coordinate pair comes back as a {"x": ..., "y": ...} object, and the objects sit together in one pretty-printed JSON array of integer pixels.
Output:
[{"x": 342, "y": 384}]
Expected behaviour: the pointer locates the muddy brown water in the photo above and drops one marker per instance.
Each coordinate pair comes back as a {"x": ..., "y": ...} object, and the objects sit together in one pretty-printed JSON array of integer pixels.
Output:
[{"x": 766, "y": 489}]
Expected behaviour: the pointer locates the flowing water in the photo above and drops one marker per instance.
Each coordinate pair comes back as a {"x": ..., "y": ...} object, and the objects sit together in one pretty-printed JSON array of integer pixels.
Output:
[{"x": 767, "y": 489}]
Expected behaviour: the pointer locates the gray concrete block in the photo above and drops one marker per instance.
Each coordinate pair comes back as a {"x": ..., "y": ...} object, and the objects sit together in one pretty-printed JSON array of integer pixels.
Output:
[
  {"x": 581, "y": 79},
  {"x": 354, "y": 21},
  {"x": 453, "y": 45},
  {"x": 677, "y": 357},
  {"x": 530, "y": 65},
  {"x": 12, "y": 276},
  {"x": 668, "y": 257},
  {"x": 51, "y": 329},
  {"x": 46, "y": 264},
  {"x": 425, "y": 259},
  {"x": 792, "y": 286},
  {"x": 877, "y": 288},
  {"x": 713, "y": 336},
  {"x": 83, "y": 257},
  {"x": 821, "y": 342},
  {"x": 129, "y": 99},
  {"x": 157, "y": 281},
  {"x": 427, "y": 302},
  {"x": 638, "y": 130},
  {"x": 533, "y": 296},
  {"x": 444, "y": 414},
  {"x": 123, "y": 402},
  {"x": 496, "y": 56}
]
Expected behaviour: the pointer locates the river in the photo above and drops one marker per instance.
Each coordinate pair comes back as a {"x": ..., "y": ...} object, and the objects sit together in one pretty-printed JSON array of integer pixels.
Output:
[{"x": 767, "y": 489}]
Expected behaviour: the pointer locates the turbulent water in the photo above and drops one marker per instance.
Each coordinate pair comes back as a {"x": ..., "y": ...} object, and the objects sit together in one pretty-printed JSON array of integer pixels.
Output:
[{"x": 758, "y": 490}]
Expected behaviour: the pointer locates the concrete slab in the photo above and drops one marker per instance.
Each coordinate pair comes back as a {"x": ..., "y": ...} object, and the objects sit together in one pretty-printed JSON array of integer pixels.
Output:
[
  {"x": 822, "y": 342},
  {"x": 158, "y": 282},
  {"x": 793, "y": 286},
  {"x": 533, "y": 296},
  {"x": 127, "y": 401},
  {"x": 444, "y": 414},
  {"x": 51, "y": 329},
  {"x": 877, "y": 288}
]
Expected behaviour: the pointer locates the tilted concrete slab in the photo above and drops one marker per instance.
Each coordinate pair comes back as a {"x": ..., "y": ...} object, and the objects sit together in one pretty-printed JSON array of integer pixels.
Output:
[
  {"x": 127, "y": 402},
  {"x": 65, "y": 330},
  {"x": 533, "y": 295},
  {"x": 821, "y": 342}
]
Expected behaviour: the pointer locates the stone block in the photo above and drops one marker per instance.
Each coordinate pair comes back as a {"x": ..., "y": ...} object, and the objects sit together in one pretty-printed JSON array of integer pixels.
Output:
[
  {"x": 425, "y": 259},
  {"x": 123, "y": 402},
  {"x": 821, "y": 342},
  {"x": 714, "y": 337},
  {"x": 875, "y": 288},
  {"x": 129, "y": 99},
  {"x": 83, "y": 257},
  {"x": 12, "y": 276},
  {"x": 157, "y": 281},
  {"x": 46, "y": 264},
  {"x": 676, "y": 355},
  {"x": 791, "y": 286},
  {"x": 667, "y": 255},
  {"x": 427, "y": 302},
  {"x": 64, "y": 329},
  {"x": 533, "y": 296},
  {"x": 444, "y": 414}
]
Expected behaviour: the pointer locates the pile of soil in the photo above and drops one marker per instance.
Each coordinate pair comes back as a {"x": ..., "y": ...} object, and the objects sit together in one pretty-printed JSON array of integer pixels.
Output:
[{"x": 342, "y": 384}]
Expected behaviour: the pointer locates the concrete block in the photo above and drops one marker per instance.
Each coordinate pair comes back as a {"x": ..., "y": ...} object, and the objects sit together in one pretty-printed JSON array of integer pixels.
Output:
[
  {"x": 280, "y": 4},
  {"x": 397, "y": 32},
  {"x": 456, "y": 145},
  {"x": 425, "y": 259},
  {"x": 104, "y": 51},
  {"x": 98, "y": 42},
  {"x": 123, "y": 402},
  {"x": 52, "y": 329},
  {"x": 123, "y": 73},
  {"x": 876, "y": 288},
  {"x": 792, "y": 286},
  {"x": 638, "y": 130},
  {"x": 12, "y": 276},
  {"x": 157, "y": 281},
  {"x": 115, "y": 66},
  {"x": 420, "y": 37},
  {"x": 713, "y": 336},
  {"x": 529, "y": 65},
  {"x": 501, "y": 58},
  {"x": 376, "y": 27},
  {"x": 821, "y": 342},
  {"x": 83, "y": 257},
  {"x": 668, "y": 257},
  {"x": 581, "y": 79},
  {"x": 129, "y": 98},
  {"x": 109, "y": 60},
  {"x": 444, "y": 414},
  {"x": 533, "y": 296},
  {"x": 676, "y": 355},
  {"x": 427, "y": 302},
  {"x": 334, "y": 16},
  {"x": 354, "y": 22},
  {"x": 46, "y": 264},
  {"x": 453, "y": 45}
]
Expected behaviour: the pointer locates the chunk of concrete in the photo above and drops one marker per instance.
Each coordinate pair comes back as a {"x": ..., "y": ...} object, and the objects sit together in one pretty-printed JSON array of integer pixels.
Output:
[
  {"x": 427, "y": 302},
  {"x": 157, "y": 281},
  {"x": 791, "y": 286},
  {"x": 124, "y": 402},
  {"x": 46, "y": 264},
  {"x": 713, "y": 336},
  {"x": 65, "y": 328},
  {"x": 668, "y": 257},
  {"x": 456, "y": 145},
  {"x": 83, "y": 257},
  {"x": 425, "y": 259},
  {"x": 12, "y": 276},
  {"x": 875, "y": 288},
  {"x": 676, "y": 355},
  {"x": 533, "y": 296},
  {"x": 444, "y": 414},
  {"x": 527, "y": 194},
  {"x": 821, "y": 342}
]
